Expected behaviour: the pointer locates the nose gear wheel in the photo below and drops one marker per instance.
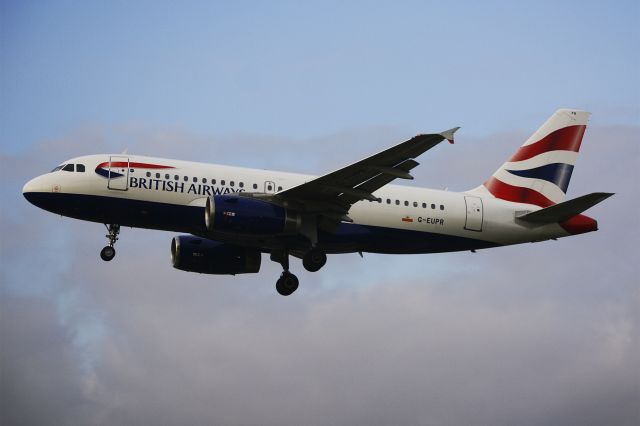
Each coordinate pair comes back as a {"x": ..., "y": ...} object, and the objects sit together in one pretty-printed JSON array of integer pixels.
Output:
[{"x": 108, "y": 252}]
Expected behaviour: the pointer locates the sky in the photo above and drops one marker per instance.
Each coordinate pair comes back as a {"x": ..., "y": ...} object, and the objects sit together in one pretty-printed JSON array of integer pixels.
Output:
[{"x": 545, "y": 333}]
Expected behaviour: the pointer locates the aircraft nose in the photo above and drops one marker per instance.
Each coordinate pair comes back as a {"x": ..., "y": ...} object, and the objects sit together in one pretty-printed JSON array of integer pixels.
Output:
[
  {"x": 29, "y": 187},
  {"x": 33, "y": 189}
]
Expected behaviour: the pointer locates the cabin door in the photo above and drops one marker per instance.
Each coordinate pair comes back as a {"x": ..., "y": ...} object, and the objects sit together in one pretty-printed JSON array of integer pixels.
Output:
[
  {"x": 474, "y": 213},
  {"x": 118, "y": 173}
]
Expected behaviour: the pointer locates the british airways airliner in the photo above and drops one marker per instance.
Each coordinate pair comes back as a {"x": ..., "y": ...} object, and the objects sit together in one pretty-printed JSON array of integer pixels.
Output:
[{"x": 233, "y": 215}]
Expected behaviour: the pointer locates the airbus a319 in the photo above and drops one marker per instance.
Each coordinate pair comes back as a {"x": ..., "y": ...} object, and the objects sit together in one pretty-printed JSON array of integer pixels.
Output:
[{"x": 232, "y": 216}]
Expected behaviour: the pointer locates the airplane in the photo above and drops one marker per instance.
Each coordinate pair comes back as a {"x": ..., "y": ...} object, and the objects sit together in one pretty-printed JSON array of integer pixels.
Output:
[{"x": 233, "y": 215}]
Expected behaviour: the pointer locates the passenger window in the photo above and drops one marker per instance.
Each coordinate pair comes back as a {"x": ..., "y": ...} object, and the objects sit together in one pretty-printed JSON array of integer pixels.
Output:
[
  {"x": 397, "y": 202},
  {"x": 167, "y": 176},
  {"x": 80, "y": 168},
  {"x": 213, "y": 181},
  {"x": 433, "y": 206},
  {"x": 195, "y": 179},
  {"x": 176, "y": 177},
  {"x": 68, "y": 168},
  {"x": 222, "y": 182},
  {"x": 204, "y": 180},
  {"x": 424, "y": 205},
  {"x": 148, "y": 174},
  {"x": 388, "y": 201},
  {"x": 441, "y": 207},
  {"x": 415, "y": 204},
  {"x": 241, "y": 185},
  {"x": 255, "y": 186},
  {"x": 157, "y": 175},
  {"x": 186, "y": 178},
  {"x": 232, "y": 183},
  {"x": 279, "y": 188},
  {"x": 406, "y": 203}
]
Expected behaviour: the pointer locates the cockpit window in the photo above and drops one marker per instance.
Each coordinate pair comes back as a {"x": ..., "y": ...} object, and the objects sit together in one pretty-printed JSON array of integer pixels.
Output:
[
  {"x": 68, "y": 168},
  {"x": 80, "y": 168},
  {"x": 57, "y": 168}
]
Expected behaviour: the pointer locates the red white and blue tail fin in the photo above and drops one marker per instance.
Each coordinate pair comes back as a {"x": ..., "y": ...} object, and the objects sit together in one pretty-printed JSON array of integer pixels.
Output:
[{"x": 539, "y": 172}]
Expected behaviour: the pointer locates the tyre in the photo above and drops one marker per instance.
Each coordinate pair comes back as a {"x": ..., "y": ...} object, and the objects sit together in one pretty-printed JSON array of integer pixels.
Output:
[
  {"x": 314, "y": 260},
  {"x": 107, "y": 253},
  {"x": 287, "y": 284}
]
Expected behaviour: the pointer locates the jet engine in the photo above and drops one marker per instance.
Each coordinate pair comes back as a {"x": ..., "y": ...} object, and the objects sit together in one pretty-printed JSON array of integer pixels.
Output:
[
  {"x": 195, "y": 254},
  {"x": 240, "y": 215}
]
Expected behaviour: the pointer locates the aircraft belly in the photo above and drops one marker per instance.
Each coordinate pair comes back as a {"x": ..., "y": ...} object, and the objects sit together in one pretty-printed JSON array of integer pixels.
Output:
[
  {"x": 122, "y": 211},
  {"x": 180, "y": 218},
  {"x": 375, "y": 239}
]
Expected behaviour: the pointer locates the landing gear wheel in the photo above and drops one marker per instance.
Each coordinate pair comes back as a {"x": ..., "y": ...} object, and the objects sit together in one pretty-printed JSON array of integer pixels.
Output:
[
  {"x": 107, "y": 253},
  {"x": 314, "y": 260},
  {"x": 287, "y": 284}
]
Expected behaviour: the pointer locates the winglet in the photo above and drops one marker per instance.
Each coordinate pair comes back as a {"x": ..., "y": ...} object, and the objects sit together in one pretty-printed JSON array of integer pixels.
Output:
[{"x": 448, "y": 134}]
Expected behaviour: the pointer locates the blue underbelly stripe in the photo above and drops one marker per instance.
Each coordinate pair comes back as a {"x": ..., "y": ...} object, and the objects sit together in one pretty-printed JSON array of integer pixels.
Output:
[{"x": 189, "y": 219}]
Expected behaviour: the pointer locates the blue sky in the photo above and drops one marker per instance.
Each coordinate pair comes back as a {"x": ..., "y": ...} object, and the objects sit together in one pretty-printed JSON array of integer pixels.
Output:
[
  {"x": 535, "y": 334},
  {"x": 311, "y": 68}
]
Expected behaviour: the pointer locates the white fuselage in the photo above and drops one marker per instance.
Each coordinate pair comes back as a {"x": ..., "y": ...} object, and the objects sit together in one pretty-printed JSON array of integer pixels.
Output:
[{"x": 402, "y": 212}]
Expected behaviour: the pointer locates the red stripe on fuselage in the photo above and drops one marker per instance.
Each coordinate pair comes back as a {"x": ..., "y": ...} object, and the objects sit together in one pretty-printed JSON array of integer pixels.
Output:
[
  {"x": 517, "y": 194},
  {"x": 565, "y": 139},
  {"x": 133, "y": 165}
]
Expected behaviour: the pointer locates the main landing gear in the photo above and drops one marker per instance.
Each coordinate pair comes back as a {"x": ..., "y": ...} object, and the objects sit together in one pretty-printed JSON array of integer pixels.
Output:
[
  {"x": 108, "y": 252},
  {"x": 288, "y": 283},
  {"x": 314, "y": 260}
]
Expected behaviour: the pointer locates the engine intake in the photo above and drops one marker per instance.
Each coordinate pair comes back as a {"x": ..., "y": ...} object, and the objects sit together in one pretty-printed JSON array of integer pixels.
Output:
[
  {"x": 194, "y": 254},
  {"x": 230, "y": 213}
]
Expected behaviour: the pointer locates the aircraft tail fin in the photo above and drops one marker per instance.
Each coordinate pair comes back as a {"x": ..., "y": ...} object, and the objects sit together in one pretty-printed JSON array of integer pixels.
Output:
[{"x": 539, "y": 172}]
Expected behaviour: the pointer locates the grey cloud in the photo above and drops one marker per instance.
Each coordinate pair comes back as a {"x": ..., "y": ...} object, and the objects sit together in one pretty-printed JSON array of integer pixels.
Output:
[
  {"x": 535, "y": 334},
  {"x": 42, "y": 380}
]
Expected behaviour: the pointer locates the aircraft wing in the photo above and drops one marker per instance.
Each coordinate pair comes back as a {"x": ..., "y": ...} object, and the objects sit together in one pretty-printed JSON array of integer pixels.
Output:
[{"x": 334, "y": 193}]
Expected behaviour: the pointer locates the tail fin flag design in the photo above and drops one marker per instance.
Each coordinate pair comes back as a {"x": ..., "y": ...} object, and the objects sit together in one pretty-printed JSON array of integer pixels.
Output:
[{"x": 539, "y": 172}]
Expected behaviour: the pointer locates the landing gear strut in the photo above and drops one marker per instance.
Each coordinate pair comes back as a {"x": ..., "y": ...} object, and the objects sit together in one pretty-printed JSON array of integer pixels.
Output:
[
  {"x": 108, "y": 252},
  {"x": 287, "y": 283}
]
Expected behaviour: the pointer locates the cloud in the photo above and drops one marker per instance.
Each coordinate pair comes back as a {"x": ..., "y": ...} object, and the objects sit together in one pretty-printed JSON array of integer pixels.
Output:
[
  {"x": 42, "y": 381},
  {"x": 534, "y": 334}
]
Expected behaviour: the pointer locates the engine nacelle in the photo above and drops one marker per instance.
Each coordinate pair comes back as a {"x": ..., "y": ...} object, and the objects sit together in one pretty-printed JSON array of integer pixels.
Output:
[
  {"x": 195, "y": 254},
  {"x": 241, "y": 215}
]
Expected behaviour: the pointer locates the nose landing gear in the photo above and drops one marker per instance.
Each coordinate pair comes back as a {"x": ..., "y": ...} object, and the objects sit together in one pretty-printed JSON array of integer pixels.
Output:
[{"x": 108, "y": 252}]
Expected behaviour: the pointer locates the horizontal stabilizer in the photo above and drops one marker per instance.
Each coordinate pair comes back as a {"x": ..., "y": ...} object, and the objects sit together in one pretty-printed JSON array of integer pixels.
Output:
[{"x": 565, "y": 210}]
